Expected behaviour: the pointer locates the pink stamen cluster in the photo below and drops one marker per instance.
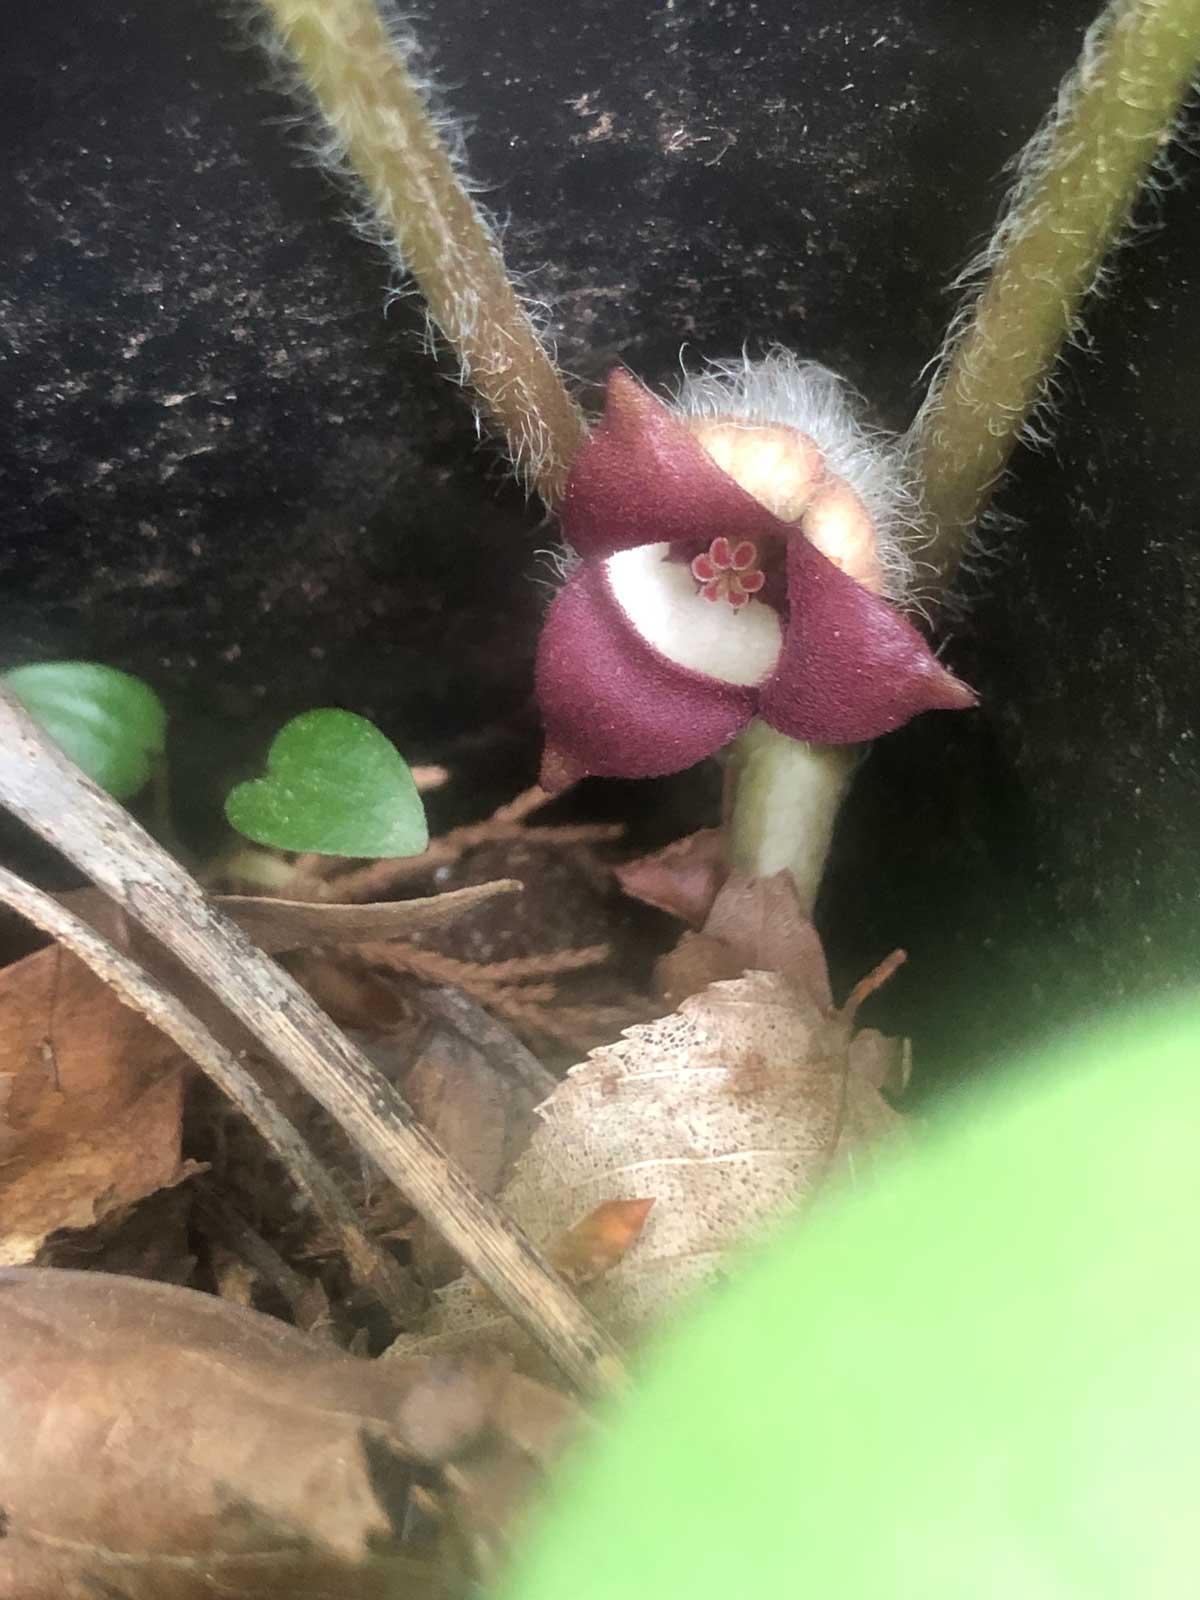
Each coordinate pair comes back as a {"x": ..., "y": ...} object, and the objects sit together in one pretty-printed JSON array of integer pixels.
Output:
[{"x": 728, "y": 572}]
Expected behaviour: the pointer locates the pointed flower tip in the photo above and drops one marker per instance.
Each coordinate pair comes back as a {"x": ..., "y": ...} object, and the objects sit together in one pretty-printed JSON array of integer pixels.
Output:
[
  {"x": 952, "y": 693},
  {"x": 623, "y": 388},
  {"x": 629, "y": 406},
  {"x": 559, "y": 770}
]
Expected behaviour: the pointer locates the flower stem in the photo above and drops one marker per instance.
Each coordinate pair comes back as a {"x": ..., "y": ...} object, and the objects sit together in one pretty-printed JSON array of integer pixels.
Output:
[
  {"x": 1076, "y": 185},
  {"x": 785, "y": 800},
  {"x": 376, "y": 113}
]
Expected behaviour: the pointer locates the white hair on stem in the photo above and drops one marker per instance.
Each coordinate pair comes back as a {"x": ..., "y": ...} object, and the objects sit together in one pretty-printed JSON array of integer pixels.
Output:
[
  {"x": 384, "y": 131},
  {"x": 1105, "y": 140}
]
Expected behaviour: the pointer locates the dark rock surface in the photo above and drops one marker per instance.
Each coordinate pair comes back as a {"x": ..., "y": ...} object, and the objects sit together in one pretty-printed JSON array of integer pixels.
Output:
[{"x": 223, "y": 467}]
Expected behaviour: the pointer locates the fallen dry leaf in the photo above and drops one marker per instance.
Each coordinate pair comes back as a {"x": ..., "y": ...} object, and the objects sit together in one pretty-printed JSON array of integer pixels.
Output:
[
  {"x": 482, "y": 1119},
  {"x": 683, "y": 879},
  {"x": 753, "y": 925},
  {"x": 90, "y": 1103},
  {"x": 733, "y": 1108},
  {"x": 278, "y": 925},
  {"x": 595, "y": 1245},
  {"x": 160, "y": 1444}
]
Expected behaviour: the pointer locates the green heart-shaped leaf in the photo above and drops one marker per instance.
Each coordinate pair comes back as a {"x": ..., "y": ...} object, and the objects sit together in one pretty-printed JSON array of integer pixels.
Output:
[
  {"x": 109, "y": 723},
  {"x": 335, "y": 787}
]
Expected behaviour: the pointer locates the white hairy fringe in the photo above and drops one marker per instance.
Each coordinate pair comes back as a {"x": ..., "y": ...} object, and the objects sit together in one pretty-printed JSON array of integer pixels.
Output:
[
  {"x": 1019, "y": 215},
  {"x": 804, "y": 395}
]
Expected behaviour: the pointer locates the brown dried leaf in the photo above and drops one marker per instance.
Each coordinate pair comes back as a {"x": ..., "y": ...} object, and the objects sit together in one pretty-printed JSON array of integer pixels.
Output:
[
  {"x": 277, "y": 925},
  {"x": 696, "y": 961},
  {"x": 90, "y": 1103},
  {"x": 733, "y": 1108},
  {"x": 755, "y": 925},
  {"x": 762, "y": 921},
  {"x": 683, "y": 879},
  {"x": 478, "y": 1116},
  {"x": 160, "y": 1444},
  {"x": 595, "y": 1245}
]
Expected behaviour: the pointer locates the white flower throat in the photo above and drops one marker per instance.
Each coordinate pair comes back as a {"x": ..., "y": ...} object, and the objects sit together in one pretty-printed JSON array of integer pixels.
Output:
[{"x": 712, "y": 614}]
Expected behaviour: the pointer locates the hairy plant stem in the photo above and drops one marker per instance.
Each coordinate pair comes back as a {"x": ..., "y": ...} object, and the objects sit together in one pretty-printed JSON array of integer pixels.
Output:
[
  {"x": 785, "y": 797},
  {"x": 378, "y": 118},
  {"x": 1076, "y": 184}
]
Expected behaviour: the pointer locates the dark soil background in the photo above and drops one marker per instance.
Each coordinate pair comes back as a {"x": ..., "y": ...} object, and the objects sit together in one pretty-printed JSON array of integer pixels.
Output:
[{"x": 224, "y": 468}]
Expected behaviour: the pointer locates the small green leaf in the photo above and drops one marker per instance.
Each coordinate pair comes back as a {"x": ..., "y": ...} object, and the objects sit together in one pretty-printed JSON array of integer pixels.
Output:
[
  {"x": 334, "y": 786},
  {"x": 109, "y": 723}
]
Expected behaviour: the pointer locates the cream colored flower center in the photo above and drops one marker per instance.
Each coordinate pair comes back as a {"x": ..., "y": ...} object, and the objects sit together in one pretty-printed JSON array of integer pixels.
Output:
[
  {"x": 663, "y": 603},
  {"x": 739, "y": 639},
  {"x": 779, "y": 466},
  {"x": 786, "y": 472}
]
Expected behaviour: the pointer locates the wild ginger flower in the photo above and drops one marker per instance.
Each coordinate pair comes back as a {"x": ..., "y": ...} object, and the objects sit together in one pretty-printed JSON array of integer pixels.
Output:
[{"x": 731, "y": 567}]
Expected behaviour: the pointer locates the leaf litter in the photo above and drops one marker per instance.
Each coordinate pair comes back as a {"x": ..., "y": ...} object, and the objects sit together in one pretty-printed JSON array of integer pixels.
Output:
[
  {"x": 91, "y": 1103},
  {"x": 734, "y": 1090}
]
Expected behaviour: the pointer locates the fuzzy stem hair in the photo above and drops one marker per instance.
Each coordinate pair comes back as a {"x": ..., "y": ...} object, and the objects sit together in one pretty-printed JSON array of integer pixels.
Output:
[
  {"x": 1076, "y": 185},
  {"x": 366, "y": 93}
]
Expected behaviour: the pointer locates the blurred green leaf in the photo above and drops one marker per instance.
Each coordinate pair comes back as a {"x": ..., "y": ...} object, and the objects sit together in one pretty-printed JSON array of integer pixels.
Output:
[
  {"x": 111, "y": 724},
  {"x": 979, "y": 1376},
  {"x": 334, "y": 786}
]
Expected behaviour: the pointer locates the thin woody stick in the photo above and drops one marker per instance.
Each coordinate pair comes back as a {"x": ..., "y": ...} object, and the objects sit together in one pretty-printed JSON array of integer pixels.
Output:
[
  {"x": 49, "y": 793},
  {"x": 369, "y": 1263},
  {"x": 237, "y": 1235},
  {"x": 376, "y": 113}
]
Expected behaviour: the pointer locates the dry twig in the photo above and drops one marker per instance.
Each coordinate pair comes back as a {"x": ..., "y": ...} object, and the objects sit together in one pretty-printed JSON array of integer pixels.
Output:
[
  {"x": 373, "y": 881},
  {"x": 300, "y": 1293}
]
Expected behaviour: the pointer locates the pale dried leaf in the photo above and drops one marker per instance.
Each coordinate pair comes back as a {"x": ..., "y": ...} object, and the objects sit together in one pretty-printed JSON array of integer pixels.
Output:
[
  {"x": 90, "y": 1103},
  {"x": 728, "y": 1111},
  {"x": 697, "y": 961},
  {"x": 885, "y": 1062}
]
